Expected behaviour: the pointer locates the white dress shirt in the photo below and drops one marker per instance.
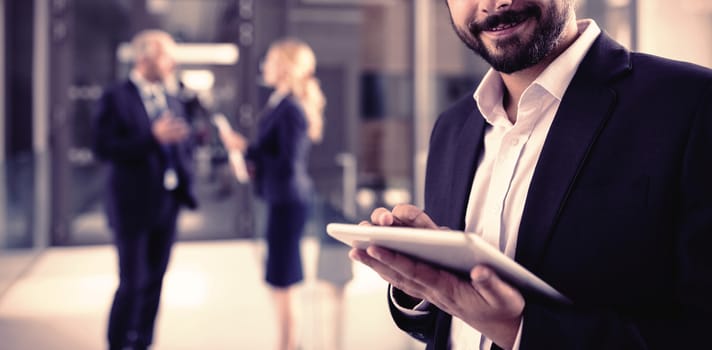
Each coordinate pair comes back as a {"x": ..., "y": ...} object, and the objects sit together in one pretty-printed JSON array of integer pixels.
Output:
[
  {"x": 506, "y": 167},
  {"x": 511, "y": 151},
  {"x": 275, "y": 98},
  {"x": 152, "y": 94}
]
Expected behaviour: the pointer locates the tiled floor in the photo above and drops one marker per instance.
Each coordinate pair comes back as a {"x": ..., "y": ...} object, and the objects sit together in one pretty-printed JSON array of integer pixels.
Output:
[{"x": 214, "y": 298}]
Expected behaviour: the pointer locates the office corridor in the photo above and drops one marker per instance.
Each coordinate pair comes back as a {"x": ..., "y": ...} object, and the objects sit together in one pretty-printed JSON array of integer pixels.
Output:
[{"x": 214, "y": 298}]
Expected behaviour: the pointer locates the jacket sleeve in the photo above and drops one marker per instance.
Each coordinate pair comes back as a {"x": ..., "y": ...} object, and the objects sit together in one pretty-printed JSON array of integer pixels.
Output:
[{"x": 420, "y": 327}]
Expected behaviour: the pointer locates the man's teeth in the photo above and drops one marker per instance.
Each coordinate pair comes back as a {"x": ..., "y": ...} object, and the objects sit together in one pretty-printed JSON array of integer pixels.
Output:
[{"x": 503, "y": 26}]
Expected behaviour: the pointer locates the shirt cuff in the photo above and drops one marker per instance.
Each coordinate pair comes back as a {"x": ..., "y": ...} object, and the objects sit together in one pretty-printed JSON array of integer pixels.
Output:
[
  {"x": 419, "y": 309},
  {"x": 518, "y": 339}
]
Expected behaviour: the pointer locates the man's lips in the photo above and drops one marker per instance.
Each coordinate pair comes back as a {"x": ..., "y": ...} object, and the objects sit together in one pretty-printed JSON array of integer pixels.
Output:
[
  {"x": 504, "y": 21},
  {"x": 503, "y": 26},
  {"x": 505, "y": 30}
]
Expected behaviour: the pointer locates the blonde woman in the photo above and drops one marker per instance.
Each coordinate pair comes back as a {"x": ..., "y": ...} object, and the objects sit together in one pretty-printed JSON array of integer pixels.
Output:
[{"x": 291, "y": 123}]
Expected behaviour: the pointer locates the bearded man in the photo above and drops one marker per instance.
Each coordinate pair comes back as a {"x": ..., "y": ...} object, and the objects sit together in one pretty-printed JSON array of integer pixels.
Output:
[{"x": 586, "y": 163}]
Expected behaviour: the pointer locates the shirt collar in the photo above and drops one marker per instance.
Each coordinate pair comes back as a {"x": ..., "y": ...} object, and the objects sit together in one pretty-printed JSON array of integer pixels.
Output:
[
  {"x": 489, "y": 94},
  {"x": 554, "y": 79},
  {"x": 145, "y": 87},
  {"x": 275, "y": 98},
  {"x": 557, "y": 76}
]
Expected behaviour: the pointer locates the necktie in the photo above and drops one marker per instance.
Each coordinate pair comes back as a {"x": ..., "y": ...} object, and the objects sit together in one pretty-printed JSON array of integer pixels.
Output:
[{"x": 170, "y": 176}]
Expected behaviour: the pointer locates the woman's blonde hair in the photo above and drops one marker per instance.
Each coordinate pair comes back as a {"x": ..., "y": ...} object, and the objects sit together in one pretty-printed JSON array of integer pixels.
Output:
[{"x": 297, "y": 64}]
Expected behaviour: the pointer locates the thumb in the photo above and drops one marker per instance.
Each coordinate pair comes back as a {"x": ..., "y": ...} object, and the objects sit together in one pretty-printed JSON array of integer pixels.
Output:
[{"x": 492, "y": 289}]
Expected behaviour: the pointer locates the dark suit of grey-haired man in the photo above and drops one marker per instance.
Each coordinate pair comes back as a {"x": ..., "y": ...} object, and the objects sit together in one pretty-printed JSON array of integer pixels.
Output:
[{"x": 140, "y": 132}]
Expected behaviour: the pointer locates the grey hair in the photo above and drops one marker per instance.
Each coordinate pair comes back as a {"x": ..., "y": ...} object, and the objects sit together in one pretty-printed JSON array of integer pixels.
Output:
[{"x": 146, "y": 43}]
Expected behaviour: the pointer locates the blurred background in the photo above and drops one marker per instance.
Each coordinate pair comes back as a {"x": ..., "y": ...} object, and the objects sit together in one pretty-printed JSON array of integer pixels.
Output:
[{"x": 387, "y": 68}]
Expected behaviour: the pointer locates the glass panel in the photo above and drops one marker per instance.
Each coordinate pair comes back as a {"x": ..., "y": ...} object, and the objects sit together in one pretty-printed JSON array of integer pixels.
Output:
[
  {"x": 207, "y": 77},
  {"x": 17, "y": 202},
  {"x": 383, "y": 45},
  {"x": 681, "y": 32},
  {"x": 17, "y": 163}
]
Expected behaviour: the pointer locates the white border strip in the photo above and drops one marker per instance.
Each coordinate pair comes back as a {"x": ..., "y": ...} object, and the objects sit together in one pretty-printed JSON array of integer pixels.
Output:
[
  {"x": 40, "y": 124},
  {"x": 345, "y": 16},
  {"x": 423, "y": 84},
  {"x": 40, "y": 77},
  {"x": 351, "y": 2},
  {"x": 192, "y": 53}
]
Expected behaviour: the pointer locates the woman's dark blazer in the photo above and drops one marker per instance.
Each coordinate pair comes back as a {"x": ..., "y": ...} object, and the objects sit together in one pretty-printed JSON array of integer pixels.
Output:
[
  {"x": 280, "y": 154},
  {"x": 618, "y": 216}
]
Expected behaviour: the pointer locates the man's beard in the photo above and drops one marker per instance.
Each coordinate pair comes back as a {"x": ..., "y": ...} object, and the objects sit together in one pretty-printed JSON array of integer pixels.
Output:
[{"x": 515, "y": 53}]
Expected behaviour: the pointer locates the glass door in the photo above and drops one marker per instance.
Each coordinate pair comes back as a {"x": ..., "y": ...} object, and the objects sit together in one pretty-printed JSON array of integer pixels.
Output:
[{"x": 90, "y": 51}]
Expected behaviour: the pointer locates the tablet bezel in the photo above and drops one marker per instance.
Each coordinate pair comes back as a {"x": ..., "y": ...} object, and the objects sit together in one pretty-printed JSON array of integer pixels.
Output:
[{"x": 450, "y": 249}]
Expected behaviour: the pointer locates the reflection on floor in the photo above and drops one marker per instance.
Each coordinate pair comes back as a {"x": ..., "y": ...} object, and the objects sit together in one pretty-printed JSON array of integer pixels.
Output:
[{"x": 214, "y": 298}]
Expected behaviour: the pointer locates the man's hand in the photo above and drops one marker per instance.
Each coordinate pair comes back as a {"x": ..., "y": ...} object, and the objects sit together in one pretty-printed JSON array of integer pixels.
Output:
[
  {"x": 402, "y": 215},
  {"x": 168, "y": 129},
  {"x": 485, "y": 302}
]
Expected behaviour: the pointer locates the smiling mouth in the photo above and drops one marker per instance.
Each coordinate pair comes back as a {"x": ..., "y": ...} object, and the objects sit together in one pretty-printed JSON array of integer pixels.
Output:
[
  {"x": 504, "y": 20},
  {"x": 504, "y": 26}
]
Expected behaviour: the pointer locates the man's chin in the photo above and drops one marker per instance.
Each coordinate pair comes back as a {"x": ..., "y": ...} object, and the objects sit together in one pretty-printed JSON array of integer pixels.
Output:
[{"x": 507, "y": 64}]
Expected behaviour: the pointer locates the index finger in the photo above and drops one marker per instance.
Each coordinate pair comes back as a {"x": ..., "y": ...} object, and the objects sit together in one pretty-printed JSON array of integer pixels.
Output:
[
  {"x": 410, "y": 215},
  {"x": 382, "y": 217}
]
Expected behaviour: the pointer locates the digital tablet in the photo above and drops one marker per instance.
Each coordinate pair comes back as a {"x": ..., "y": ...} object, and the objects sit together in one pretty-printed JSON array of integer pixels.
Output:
[
  {"x": 454, "y": 250},
  {"x": 237, "y": 161}
]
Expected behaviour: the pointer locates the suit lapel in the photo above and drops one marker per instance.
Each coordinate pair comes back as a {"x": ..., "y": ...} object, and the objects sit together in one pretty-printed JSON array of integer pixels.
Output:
[
  {"x": 268, "y": 117},
  {"x": 137, "y": 109},
  {"x": 584, "y": 110},
  {"x": 471, "y": 137}
]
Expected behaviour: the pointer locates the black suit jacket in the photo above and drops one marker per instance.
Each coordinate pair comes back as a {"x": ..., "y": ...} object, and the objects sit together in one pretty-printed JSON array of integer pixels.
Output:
[
  {"x": 123, "y": 137},
  {"x": 280, "y": 154},
  {"x": 618, "y": 216}
]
